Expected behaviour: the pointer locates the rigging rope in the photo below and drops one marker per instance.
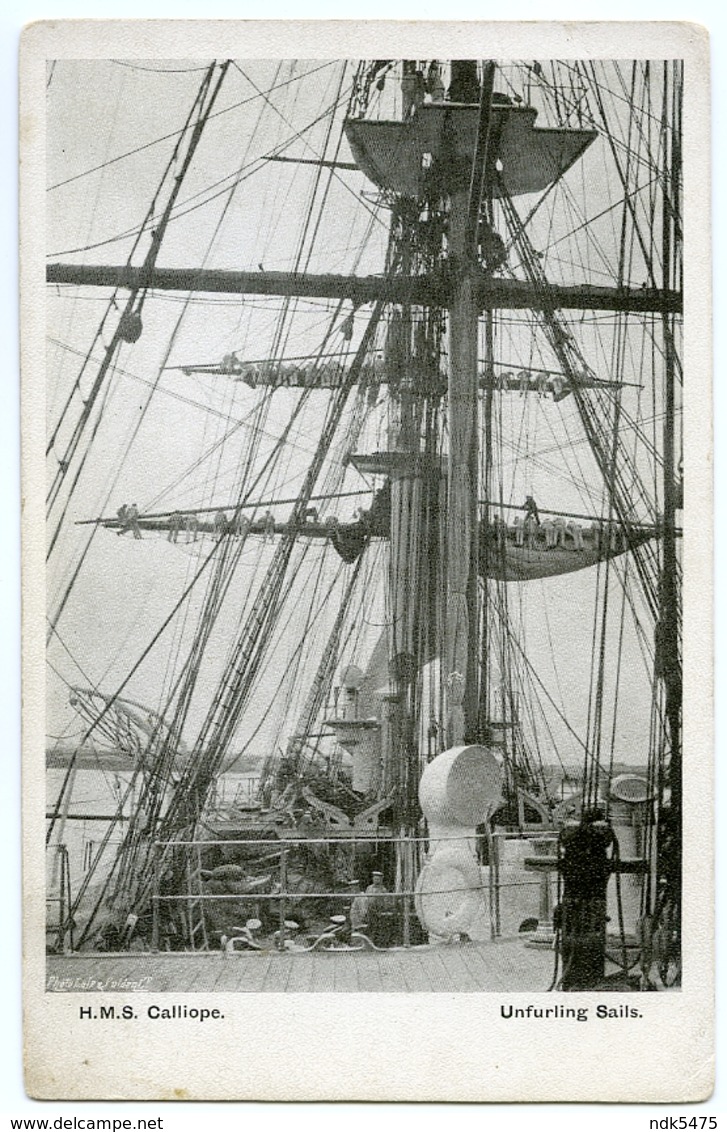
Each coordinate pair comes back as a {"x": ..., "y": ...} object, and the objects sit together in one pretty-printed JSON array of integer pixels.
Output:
[
  {"x": 132, "y": 307},
  {"x": 176, "y": 134},
  {"x": 210, "y": 748}
]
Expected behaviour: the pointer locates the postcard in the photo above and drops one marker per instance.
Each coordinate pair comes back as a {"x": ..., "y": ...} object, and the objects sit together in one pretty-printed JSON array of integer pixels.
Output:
[{"x": 367, "y": 578}]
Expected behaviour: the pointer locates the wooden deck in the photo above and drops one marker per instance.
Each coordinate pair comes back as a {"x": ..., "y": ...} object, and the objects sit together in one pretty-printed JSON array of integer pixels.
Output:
[{"x": 504, "y": 965}]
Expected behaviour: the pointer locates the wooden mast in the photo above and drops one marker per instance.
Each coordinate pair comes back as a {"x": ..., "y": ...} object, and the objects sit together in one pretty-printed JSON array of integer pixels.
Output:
[{"x": 461, "y": 652}]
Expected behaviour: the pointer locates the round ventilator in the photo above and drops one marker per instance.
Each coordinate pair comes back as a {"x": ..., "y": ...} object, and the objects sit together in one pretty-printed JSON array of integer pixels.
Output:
[
  {"x": 461, "y": 786},
  {"x": 458, "y": 791},
  {"x": 449, "y": 893},
  {"x": 630, "y": 788}
]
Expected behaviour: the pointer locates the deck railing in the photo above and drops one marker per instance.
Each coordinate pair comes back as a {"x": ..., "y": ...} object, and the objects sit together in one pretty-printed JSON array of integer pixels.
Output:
[
  {"x": 64, "y": 925},
  {"x": 401, "y": 898}
]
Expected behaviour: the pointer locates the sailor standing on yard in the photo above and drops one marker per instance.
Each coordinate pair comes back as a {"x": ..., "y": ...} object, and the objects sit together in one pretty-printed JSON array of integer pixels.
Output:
[
  {"x": 530, "y": 508},
  {"x": 269, "y": 526},
  {"x": 129, "y": 519}
]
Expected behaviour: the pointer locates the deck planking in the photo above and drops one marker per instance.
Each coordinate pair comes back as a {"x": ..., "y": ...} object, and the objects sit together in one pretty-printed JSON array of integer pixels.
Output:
[
  {"x": 504, "y": 965},
  {"x": 321, "y": 973},
  {"x": 243, "y": 972},
  {"x": 228, "y": 977},
  {"x": 389, "y": 980},
  {"x": 439, "y": 971},
  {"x": 456, "y": 970},
  {"x": 414, "y": 973},
  {"x": 367, "y": 970},
  {"x": 301, "y": 974},
  {"x": 345, "y": 976},
  {"x": 253, "y": 971},
  {"x": 481, "y": 974},
  {"x": 278, "y": 973}
]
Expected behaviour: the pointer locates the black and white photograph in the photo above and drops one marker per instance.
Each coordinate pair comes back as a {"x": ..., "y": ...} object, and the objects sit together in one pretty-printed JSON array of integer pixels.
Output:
[{"x": 368, "y": 420}]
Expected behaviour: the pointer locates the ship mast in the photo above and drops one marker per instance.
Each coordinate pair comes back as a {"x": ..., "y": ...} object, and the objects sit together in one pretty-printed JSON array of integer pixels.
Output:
[{"x": 461, "y": 651}]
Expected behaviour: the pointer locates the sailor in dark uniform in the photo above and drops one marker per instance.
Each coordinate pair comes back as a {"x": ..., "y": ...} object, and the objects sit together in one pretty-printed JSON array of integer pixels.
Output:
[{"x": 530, "y": 508}]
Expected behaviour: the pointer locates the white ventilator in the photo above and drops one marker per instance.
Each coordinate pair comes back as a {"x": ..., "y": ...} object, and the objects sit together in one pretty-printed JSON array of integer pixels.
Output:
[
  {"x": 458, "y": 791},
  {"x": 628, "y": 810}
]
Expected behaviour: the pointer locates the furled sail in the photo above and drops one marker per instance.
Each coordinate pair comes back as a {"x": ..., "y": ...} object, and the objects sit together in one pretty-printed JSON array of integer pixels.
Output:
[{"x": 519, "y": 551}]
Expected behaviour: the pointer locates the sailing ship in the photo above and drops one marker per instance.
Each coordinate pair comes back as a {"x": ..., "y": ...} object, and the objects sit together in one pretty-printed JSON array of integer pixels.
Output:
[{"x": 401, "y": 603}]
